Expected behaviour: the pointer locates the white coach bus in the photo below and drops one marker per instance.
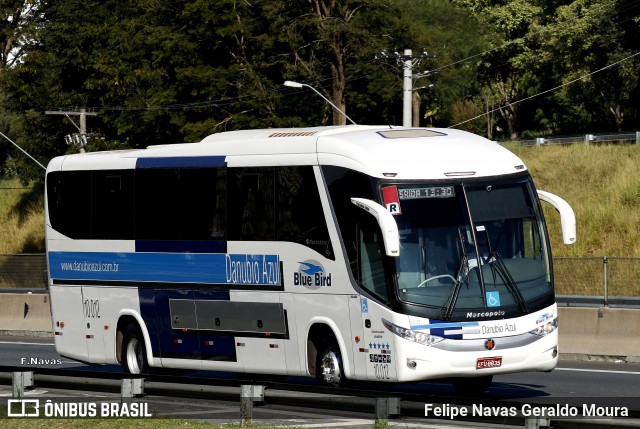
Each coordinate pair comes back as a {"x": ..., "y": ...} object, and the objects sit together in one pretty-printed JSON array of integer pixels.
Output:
[{"x": 352, "y": 252}]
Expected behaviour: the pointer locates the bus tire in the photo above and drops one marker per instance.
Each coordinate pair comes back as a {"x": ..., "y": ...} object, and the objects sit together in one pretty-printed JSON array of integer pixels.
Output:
[
  {"x": 134, "y": 353},
  {"x": 472, "y": 386},
  {"x": 329, "y": 364}
]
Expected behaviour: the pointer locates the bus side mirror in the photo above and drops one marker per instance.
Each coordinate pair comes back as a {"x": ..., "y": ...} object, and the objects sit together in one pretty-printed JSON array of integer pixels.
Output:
[
  {"x": 387, "y": 223},
  {"x": 567, "y": 217}
]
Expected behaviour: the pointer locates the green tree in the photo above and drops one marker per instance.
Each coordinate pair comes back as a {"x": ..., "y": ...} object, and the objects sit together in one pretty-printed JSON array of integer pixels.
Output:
[
  {"x": 586, "y": 37},
  {"x": 456, "y": 37},
  {"x": 19, "y": 21},
  {"x": 165, "y": 71},
  {"x": 502, "y": 70}
]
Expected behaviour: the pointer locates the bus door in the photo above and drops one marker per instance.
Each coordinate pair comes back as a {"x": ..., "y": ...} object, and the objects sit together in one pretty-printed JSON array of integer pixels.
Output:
[
  {"x": 378, "y": 342},
  {"x": 358, "y": 308},
  {"x": 373, "y": 278}
]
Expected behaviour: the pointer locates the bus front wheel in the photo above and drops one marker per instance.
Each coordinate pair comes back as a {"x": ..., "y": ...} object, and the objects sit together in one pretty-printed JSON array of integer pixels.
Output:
[
  {"x": 329, "y": 365},
  {"x": 134, "y": 354}
]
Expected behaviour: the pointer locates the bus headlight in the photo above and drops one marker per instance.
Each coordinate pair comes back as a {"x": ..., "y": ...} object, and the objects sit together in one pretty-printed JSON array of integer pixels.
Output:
[
  {"x": 546, "y": 328},
  {"x": 411, "y": 335}
]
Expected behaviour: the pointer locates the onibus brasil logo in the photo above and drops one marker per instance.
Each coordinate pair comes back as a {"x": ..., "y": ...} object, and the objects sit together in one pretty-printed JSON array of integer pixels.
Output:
[{"x": 311, "y": 274}]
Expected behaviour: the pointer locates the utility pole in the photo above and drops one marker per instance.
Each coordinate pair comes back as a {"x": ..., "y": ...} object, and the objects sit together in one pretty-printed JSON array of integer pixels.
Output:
[
  {"x": 408, "y": 61},
  {"x": 407, "y": 87},
  {"x": 81, "y": 138}
]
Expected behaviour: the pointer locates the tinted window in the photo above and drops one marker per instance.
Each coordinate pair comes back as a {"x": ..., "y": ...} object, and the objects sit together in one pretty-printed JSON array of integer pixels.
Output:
[
  {"x": 251, "y": 204},
  {"x": 69, "y": 202},
  {"x": 157, "y": 212},
  {"x": 300, "y": 215},
  {"x": 244, "y": 204},
  {"x": 343, "y": 185},
  {"x": 180, "y": 204},
  {"x": 112, "y": 205}
]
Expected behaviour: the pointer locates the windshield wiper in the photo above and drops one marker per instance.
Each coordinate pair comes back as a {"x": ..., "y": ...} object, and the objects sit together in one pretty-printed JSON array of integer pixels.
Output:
[
  {"x": 497, "y": 265},
  {"x": 463, "y": 269}
]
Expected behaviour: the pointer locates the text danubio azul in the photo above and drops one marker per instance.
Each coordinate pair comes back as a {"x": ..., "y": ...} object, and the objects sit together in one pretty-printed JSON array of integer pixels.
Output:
[{"x": 253, "y": 269}]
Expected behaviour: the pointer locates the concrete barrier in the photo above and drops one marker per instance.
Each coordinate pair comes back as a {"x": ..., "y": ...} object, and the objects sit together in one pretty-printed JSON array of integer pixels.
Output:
[
  {"x": 585, "y": 333},
  {"x": 25, "y": 314},
  {"x": 600, "y": 332}
]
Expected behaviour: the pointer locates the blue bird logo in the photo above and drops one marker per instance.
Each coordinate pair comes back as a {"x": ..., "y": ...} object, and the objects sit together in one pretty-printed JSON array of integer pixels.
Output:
[{"x": 311, "y": 268}]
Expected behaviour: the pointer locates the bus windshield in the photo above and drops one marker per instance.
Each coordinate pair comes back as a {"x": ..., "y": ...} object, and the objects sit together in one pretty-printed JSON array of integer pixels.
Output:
[{"x": 478, "y": 246}]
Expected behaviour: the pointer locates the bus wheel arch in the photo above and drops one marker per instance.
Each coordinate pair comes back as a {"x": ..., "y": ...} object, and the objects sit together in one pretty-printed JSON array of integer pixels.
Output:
[
  {"x": 324, "y": 355},
  {"x": 131, "y": 346}
]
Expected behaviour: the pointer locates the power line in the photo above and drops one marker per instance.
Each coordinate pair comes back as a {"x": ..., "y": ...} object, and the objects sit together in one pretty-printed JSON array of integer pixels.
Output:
[
  {"x": 548, "y": 90},
  {"x": 23, "y": 151}
]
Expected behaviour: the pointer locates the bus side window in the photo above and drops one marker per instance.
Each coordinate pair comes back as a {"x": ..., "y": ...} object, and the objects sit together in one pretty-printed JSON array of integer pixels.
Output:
[
  {"x": 344, "y": 184},
  {"x": 371, "y": 270},
  {"x": 157, "y": 214},
  {"x": 69, "y": 202},
  {"x": 300, "y": 215},
  {"x": 112, "y": 198},
  {"x": 250, "y": 204},
  {"x": 180, "y": 203},
  {"x": 202, "y": 196}
]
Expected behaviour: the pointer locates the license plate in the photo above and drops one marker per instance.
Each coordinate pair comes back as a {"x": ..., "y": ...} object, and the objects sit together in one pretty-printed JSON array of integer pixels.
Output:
[{"x": 490, "y": 362}]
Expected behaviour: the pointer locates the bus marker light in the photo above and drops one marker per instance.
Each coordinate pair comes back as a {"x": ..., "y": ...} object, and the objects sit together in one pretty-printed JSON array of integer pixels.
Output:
[
  {"x": 358, "y": 338},
  {"x": 106, "y": 327},
  {"x": 267, "y": 334},
  {"x": 62, "y": 324},
  {"x": 184, "y": 329},
  {"x": 177, "y": 341},
  {"x": 273, "y": 346}
]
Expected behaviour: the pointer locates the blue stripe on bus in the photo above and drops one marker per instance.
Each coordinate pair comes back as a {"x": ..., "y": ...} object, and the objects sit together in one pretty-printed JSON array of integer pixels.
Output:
[
  {"x": 181, "y": 246},
  {"x": 436, "y": 325},
  {"x": 208, "y": 268},
  {"x": 182, "y": 162},
  {"x": 439, "y": 327}
]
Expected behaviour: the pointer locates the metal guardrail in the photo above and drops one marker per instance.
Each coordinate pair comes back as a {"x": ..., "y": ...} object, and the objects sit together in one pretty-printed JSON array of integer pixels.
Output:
[
  {"x": 27, "y": 270},
  {"x": 597, "y": 301},
  {"x": 625, "y": 137},
  {"x": 384, "y": 403},
  {"x": 617, "y": 279}
]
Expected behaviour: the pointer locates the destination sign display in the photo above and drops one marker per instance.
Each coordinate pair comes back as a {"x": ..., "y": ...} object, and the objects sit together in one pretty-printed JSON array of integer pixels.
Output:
[{"x": 430, "y": 192}]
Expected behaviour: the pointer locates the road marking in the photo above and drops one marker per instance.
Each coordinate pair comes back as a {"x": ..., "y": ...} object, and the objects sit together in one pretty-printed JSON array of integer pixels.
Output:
[
  {"x": 608, "y": 371},
  {"x": 22, "y": 343}
]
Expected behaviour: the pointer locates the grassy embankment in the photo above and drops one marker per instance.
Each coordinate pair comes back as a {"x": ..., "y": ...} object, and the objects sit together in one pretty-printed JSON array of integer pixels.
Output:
[
  {"x": 21, "y": 219},
  {"x": 602, "y": 184}
]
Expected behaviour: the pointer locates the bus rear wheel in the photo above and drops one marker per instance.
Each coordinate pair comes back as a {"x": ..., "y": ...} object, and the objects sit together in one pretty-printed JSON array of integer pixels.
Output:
[
  {"x": 472, "y": 386},
  {"x": 329, "y": 365},
  {"x": 134, "y": 354}
]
